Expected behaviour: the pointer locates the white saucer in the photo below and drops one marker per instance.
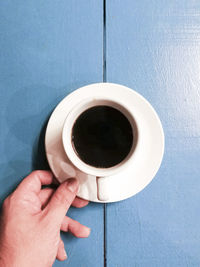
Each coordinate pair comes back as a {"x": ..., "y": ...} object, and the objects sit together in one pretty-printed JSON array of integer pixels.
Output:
[{"x": 138, "y": 174}]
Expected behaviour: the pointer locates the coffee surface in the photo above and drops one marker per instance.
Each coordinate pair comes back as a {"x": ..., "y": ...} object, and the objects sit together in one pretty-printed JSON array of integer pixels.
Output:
[{"x": 102, "y": 136}]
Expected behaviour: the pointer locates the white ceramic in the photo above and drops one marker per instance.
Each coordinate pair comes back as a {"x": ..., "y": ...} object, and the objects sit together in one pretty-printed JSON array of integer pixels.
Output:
[
  {"x": 134, "y": 172},
  {"x": 99, "y": 173}
]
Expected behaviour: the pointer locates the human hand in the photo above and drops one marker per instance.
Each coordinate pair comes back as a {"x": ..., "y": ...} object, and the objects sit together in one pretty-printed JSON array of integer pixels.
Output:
[{"x": 32, "y": 218}]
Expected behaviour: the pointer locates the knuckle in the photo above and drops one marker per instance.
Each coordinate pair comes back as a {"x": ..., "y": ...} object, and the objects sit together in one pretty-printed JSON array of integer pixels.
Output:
[
  {"x": 67, "y": 201},
  {"x": 62, "y": 198},
  {"x": 61, "y": 244},
  {"x": 57, "y": 198},
  {"x": 65, "y": 227},
  {"x": 37, "y": 173},
  {"x": 65, "y": 224},
  {"x": 5, "y": 203}
]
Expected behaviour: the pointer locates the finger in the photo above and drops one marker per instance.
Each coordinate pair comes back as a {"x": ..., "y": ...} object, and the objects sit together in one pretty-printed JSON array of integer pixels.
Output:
[
  {"x": 62, "y": 200},
  {"x": 61, "y": 254},
  {"x": 75, "y": 228},
  {"x": 79, "y": 202},
  {"x": 45, "y": 195},
  {"x": 34, "y": 181}
]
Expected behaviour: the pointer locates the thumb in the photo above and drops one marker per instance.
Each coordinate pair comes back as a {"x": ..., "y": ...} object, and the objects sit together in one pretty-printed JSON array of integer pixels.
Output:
[{"x": 62, "y": 200}]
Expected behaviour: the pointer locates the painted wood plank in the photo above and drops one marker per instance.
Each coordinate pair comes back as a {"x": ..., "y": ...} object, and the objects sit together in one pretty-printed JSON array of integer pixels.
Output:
[
  {"x": 47, "y": 50},
  {"x": 154, "y": 48}
]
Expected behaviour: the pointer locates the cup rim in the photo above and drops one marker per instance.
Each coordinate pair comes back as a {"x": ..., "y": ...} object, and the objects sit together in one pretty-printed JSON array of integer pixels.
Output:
[{"x": 67, "y": 134}]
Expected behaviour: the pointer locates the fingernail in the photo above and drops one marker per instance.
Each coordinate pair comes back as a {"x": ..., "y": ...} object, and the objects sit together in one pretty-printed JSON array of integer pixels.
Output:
[
  {"x": 85, "y": 232},
  {"x": 65, "y": 254},
  {"x": 88, "y": 231},
  {"x": 72, "y": 184}
]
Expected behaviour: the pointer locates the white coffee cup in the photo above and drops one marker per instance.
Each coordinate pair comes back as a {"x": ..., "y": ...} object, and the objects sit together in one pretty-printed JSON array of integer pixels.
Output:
[{"x": 101, "y": 174}]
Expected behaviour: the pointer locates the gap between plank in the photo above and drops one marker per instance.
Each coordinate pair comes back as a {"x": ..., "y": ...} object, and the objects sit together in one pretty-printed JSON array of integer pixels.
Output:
[
  {"x": 104, "y": 41},
  {"x": 104, "y": 80},
  {"x": 105, "y": 235}
]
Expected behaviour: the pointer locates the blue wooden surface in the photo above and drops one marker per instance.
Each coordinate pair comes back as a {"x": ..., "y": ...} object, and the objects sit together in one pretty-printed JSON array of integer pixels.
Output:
[
  {"x": 50, "y": 48},
  {"x": 154, "y": 48},
  {"x": 47, "y": 49}
]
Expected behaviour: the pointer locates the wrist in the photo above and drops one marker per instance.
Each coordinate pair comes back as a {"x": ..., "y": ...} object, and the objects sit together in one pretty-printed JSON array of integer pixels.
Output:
[{"x": 7, "y": 260}]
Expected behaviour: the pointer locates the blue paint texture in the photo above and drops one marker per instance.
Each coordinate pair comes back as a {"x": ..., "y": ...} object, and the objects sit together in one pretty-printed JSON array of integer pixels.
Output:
[
  {"x": 47, "y": 50},
  {"x": 50, "y": 48},
  {"x": 153, "y": 47}
]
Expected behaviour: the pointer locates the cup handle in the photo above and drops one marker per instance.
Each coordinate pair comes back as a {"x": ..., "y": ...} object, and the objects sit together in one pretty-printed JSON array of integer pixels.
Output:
[{"x": 102, "y": 189}]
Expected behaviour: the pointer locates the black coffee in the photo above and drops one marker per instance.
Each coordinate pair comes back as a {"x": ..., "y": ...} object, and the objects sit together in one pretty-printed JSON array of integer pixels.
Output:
[{"x": 102, "y": 136}]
